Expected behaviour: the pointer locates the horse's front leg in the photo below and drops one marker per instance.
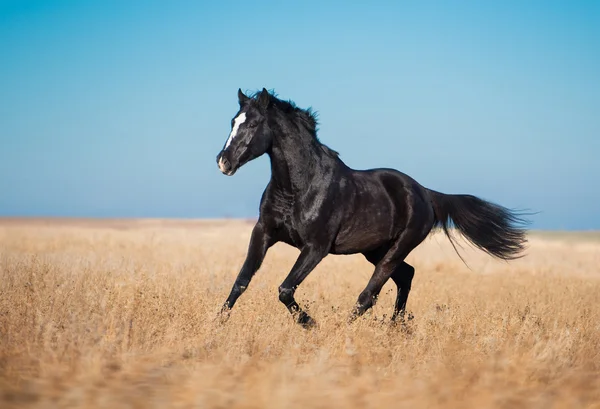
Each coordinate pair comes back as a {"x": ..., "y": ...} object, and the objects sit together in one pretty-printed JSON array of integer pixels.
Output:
[
  {"x": 260, "y": 241},
  {"x": 308, "y": 259}
]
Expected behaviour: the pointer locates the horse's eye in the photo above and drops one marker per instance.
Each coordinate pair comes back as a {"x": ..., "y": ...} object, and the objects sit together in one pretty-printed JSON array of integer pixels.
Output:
[{"x": 252, "y": 124}]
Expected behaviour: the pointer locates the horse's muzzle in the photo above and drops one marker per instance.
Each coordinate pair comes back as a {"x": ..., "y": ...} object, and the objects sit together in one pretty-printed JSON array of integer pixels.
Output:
[{"x": 225, "y": 165}]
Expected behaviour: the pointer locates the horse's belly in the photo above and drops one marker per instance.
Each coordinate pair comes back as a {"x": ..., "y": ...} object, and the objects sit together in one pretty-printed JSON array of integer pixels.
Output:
[
  {"x": 360, "y": 236},
  {"x": 358, "y": 246}
]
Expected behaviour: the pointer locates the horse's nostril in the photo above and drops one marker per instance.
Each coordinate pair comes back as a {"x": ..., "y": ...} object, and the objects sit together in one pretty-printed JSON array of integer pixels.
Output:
[{"x": 224, "y": 164}]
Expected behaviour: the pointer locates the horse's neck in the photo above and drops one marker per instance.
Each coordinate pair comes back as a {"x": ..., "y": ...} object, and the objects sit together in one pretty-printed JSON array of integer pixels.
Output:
[{"x": 297, "y": 162}]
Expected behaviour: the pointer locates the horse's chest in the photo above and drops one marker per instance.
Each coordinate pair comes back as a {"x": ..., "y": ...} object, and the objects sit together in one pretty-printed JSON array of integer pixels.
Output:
[
  {"x": 298, "y": 219},
  {"x": 291, "y": 228},
  {"x": 282, "y": 214}
]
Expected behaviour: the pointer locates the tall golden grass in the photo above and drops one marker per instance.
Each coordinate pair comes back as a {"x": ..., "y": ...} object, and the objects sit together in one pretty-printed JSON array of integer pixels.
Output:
[{"x": 121, "y": 314}]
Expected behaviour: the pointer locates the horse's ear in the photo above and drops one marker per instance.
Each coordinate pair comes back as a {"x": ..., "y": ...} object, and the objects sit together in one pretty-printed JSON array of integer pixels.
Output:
[
  {"x": 241, "y": 97},
  {"x": 263, "y": 100}
]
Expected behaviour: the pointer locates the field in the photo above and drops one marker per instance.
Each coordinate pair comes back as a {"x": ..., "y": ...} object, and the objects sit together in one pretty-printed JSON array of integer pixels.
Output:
[{"x": 121, "y": 314}]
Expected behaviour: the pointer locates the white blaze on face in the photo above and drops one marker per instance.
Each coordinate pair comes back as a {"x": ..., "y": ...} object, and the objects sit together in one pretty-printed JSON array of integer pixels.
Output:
[{"x": 237, "y": 122}]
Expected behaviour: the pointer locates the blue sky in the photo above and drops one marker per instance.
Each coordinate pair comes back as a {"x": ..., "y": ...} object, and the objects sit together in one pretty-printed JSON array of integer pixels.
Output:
[{"x": 118, "y": 109}]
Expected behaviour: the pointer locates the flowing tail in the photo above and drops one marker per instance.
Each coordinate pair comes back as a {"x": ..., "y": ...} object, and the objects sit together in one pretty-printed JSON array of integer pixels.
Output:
[{"x": 490, "y": 227}]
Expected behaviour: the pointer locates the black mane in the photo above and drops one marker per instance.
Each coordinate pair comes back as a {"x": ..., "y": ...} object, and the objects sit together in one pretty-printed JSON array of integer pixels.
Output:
[{"x": 307, "y": 117}]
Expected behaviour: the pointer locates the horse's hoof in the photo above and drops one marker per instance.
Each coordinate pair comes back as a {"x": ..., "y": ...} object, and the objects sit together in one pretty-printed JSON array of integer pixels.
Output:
[
  {"x": 223, "y": 315},
  {"x": 306, "y": 321},
  {"x": 402, "y": 324},
  {"x": 309, "y": 324},
  {"x": 356, "y": 312}
]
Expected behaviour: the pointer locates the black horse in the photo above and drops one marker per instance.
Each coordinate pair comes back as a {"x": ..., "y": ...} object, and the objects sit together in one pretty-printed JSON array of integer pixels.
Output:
[{"x": 319, "y": 205}]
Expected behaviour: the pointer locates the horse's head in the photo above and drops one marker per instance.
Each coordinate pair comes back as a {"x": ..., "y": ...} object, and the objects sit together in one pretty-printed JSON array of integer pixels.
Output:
[{"x": 250, "y": 135}]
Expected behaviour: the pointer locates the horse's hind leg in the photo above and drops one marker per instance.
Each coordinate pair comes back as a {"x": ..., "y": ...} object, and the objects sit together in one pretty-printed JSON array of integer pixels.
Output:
[
  {"x": 402, "y": 275},
  {"x": 384, "y": 269}
]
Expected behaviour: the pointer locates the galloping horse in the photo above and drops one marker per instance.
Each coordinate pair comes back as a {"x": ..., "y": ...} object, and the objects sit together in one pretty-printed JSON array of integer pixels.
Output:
[{"x": 319, "y": 205}]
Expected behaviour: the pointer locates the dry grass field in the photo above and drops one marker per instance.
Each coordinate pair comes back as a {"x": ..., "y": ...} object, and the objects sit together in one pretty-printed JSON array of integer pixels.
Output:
[{"x": 121, "y": 314}]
